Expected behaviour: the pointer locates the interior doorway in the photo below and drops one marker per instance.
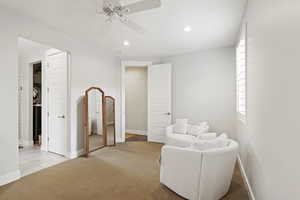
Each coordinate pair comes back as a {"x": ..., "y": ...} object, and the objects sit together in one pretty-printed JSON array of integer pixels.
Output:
[
  {"x": 159, "y": 100},
  {"x": 43, "y": 112},
  {"x": 136, "y": 103}
]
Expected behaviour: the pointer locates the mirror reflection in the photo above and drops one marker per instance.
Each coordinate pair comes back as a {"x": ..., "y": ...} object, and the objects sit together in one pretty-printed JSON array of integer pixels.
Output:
[
  {"x": 110, "y": 119},
  {"x": 95, "y": 122}
]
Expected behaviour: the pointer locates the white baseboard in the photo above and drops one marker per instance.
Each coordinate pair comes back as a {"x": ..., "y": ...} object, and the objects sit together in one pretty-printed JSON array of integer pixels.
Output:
[
  {"x": 10, "y": 177},
  {"x": 156, "y": 139},
  {"x": 44, "y": 148},
  {"x": 75, "y": 154},
  {"x": 138, "y": 132},
  {"x": 245, "y": 179},
  {"x": 119, "y": 140}
]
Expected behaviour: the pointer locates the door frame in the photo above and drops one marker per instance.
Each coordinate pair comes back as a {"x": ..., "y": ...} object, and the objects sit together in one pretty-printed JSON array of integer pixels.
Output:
[
  {"x": 29, "y": 115},
  {"x": 45, "y": 128},
  {"x": 124, "y": 65},
  {"x": 45, "y": 103}
]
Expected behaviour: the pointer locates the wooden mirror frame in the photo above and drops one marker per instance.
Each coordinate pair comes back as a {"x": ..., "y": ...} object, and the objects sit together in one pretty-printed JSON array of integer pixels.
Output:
[
  {"x": 86, "y": 120},
  {"x": 114, "y": 117}
]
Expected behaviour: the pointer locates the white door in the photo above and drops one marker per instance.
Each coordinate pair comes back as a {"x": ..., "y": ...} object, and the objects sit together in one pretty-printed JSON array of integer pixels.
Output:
[
  {"x": 160, "y": 86},
  {"x": 57, "y": 98}
]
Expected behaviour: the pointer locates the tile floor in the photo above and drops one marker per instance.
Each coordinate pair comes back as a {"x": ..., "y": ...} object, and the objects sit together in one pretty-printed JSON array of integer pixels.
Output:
[{"x": 32, "y": 159}]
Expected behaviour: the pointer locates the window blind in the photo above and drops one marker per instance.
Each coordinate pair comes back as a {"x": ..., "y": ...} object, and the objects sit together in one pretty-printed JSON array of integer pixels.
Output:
[{"x": 241, "y": 75}]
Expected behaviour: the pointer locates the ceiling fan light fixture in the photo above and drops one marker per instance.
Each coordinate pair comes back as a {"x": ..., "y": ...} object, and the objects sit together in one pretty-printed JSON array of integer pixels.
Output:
[
  {"x": 126, "y": 43},
  {"x": 187, "y": 29},
  {"x": 117, "y": 10}
]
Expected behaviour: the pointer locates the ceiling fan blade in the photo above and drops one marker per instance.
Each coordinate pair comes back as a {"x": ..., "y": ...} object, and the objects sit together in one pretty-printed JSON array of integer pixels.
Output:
[
  {"x": 142, "y": 6},
  {"x": 114, "y": 2},
  {"x": 134, "y": 26},
  {"x": 101, "y": 4}
]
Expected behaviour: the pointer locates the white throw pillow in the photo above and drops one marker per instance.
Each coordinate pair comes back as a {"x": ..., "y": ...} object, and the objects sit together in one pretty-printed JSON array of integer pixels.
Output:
[
  {"x": 219, "y": 142},
  {"x": 194, "y": 130},
  {"x": 180, "y": 126},
  {"x": 203, "y": 124}
]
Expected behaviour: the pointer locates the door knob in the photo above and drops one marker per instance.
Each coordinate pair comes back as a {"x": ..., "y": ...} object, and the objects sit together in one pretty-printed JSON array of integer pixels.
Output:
[
  {"x": 168, "y": 113},
  {"x": 62, "y": 117}
]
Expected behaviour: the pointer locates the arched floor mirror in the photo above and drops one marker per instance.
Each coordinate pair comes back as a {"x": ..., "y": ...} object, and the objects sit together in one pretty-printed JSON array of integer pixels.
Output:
[
  {"x": 94, "y": 119},
  {"x": 110, "y": 119}
]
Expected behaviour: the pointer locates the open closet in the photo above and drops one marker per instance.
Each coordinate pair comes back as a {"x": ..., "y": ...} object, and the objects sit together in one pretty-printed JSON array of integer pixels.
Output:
[{"x": 37, "y": 103}]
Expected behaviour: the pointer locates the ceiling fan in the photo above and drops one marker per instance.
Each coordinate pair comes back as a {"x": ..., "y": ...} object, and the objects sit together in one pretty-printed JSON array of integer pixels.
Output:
[{"x": 114, "y": 10}]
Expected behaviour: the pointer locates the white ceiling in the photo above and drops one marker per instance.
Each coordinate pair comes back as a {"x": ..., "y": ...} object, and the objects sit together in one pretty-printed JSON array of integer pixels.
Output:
[{"x": 214, "y": 23}]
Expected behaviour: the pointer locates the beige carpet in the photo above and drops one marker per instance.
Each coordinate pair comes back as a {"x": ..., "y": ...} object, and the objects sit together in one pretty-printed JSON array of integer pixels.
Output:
[{"x": 129, "y": 171}]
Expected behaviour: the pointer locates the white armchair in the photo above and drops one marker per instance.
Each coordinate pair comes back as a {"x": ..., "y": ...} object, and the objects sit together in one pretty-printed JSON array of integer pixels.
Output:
[{"x": 198, "y": 175}]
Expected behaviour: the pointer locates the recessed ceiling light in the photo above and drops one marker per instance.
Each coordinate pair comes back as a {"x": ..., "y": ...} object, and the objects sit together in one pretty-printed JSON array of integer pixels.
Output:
[
  {"x": 126, "y": 43},
  {"x": 187, "y": 29}
]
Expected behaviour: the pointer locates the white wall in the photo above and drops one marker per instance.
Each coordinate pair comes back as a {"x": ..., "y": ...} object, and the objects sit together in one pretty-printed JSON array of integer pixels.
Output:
[
  {"x": 136, "y": 98},
  {"x": 204, "y": 87},
  {"x": 154, "y": 60},
  {"x": 270, "y": 139},
  {"x": 90, "y": 66}
]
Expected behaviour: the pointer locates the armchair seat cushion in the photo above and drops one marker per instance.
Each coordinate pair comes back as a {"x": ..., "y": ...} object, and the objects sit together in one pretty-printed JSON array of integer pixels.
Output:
[
  {"x": 219, "y": 142},
  {"x": 207, "y": 136}
]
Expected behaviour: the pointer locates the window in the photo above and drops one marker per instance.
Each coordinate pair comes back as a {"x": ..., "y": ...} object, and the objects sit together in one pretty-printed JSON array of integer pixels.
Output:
[{"x": 241, "y": 75}]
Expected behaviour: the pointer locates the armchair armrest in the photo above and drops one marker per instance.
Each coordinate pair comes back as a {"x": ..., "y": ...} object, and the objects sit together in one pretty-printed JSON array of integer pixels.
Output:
[{"x": 180, "y": 170}]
